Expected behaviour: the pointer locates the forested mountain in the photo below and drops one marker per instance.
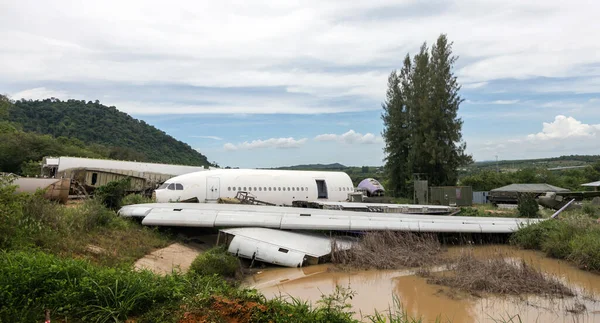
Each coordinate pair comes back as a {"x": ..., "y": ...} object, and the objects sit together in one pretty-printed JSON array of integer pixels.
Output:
[{"x": 122, "y": 136}]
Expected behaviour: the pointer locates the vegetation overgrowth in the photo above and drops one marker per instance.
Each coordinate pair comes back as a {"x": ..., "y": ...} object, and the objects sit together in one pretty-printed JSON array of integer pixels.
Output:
[
  {"x": 76, "y": 261},
  {"x": 391, "y": 250},
  {"x": 497, "y": 275},
  {"x": 30, "y": 130},
  {"x": 216, "y": 261},
  {"x": 574, "y": 237}
]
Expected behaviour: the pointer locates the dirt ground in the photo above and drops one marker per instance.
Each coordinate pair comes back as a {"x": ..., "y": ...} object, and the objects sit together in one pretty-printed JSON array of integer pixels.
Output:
[{"x": 177, "y": 256}]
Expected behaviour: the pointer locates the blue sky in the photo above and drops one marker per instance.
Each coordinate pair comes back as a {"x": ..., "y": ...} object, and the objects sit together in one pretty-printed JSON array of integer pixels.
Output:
[{"x": 273, "y": 83}]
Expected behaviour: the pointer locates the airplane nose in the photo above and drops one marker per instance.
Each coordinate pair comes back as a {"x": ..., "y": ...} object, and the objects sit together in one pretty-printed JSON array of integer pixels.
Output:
[{"x": 159, "y": 196}]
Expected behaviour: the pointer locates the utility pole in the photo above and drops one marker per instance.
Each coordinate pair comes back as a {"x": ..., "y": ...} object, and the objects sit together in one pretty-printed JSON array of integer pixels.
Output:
[{"x": 497, "y": 168}]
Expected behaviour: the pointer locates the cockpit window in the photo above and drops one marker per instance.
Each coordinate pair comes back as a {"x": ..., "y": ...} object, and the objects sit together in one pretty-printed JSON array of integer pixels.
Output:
[
  {"x": 179, "y": 187},
  {"x": 171, "y": 187},
  {"x": 163, "y": 186}
]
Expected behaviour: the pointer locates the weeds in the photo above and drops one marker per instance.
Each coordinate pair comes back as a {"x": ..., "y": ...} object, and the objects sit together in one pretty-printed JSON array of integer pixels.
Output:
[
  {"x": 216, "y": 261},
  {"x": 136, "y": 199},
  {"x": 576, "y": 239},
  {"x": 391, "y": 250},
  {"x": 498, "y": 276}
]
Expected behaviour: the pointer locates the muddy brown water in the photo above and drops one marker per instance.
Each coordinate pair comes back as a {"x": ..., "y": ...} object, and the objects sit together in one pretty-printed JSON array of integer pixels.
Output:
[{"x": 376, "y": 289}]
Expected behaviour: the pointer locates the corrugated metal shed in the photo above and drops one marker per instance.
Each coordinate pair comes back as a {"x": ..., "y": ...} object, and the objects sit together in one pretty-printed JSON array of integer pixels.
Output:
[
  {"x": 480, "y": 197},
  {"x": 530, "y": 188},
  {"x": 451, "y": 195}
]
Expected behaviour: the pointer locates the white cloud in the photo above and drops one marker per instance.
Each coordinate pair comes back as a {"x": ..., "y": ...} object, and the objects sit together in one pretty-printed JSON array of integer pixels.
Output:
[
  {"x": 40, "y": 93},
  {"x": 279, "y": 143},
  {"x": 474, "y": 85},
  {"x": 316, "y": 48},
  {"x": 350, "y": 137},
  {"x": 208, "y": 137},
  {"x": 565, "y": 128},
  {"x": 503, "y": 102},
  {"x": 563, "y": 136}
]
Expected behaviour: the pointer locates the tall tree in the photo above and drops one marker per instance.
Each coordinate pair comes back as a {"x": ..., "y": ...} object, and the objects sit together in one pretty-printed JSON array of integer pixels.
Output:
[
  {"x": 396, "y": 131},
  {"x": 422, "y": 130}
]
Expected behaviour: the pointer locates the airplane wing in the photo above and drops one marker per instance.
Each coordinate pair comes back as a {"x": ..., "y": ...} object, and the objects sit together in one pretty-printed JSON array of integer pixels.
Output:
[
  {"x": 290, "y": 218},
  {"x": 265, "y": 233}
]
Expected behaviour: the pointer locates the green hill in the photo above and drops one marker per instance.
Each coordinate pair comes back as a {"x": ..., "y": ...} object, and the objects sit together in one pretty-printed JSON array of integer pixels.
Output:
[
  {"x": 335, "y": 166},
  {"x": 93, "y": 123}
]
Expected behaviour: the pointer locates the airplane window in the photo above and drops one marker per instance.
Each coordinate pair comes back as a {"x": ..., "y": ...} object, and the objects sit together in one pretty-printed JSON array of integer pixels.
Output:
[
  {"x": 229, "y": 188},
  {"x": 255, "y": 189},
  {"x": 279, "y": 188},
  {"x": 260, "y": 189},
  {"x": 265, "y": 189},
  {"x": 293, "y": 189},
  {"x": 269, "y": 188},
  {"x": 302, "y": 188},
  {"x": 163, "y": 186},
  {"x": 179, "y": 187},
  {"x": 244, "y": 188},
  {"x": 171, "y": 187},
  {"x": 287, "y": 189},
  {"x": 298, "y": 189}
]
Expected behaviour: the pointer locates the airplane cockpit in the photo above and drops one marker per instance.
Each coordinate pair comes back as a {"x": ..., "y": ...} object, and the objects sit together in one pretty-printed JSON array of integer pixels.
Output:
[
  {"x": 169, "y": 191},
  {"x": 171, "y": 186}
]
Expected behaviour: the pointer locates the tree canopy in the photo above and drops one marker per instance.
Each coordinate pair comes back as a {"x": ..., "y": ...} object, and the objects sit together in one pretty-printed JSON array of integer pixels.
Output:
[
  {"x": 122, "y": 136},
  {"x": 422, "y": 130}
]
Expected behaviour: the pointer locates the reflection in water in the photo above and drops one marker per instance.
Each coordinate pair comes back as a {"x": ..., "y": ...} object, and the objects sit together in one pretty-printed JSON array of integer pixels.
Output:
[{"x": 376, "y": 290}]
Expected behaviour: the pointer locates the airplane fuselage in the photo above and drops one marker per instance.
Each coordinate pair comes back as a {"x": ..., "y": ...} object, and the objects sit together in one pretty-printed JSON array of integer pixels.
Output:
[{"x": 279, "y": 187}]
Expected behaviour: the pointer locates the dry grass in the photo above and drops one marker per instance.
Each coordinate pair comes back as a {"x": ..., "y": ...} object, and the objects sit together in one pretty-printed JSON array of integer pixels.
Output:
[
  {"x": 391, "y": 250},
  {"x": 497, "y": 275}
]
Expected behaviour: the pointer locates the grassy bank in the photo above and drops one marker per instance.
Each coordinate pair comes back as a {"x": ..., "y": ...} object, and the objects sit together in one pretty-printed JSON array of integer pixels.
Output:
[
  {"x": 87, "y": 230},
  {"x": 76, "y": 290},
  {"x": 76, "y": 261},
  {"x": 574, "y": 237}
]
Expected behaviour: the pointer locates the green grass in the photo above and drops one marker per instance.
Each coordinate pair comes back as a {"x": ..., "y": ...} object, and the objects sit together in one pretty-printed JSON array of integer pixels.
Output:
[
  {"x": 88, "y": 230},
  {"x": 216, "y": 261},
  {"x": 575, "y": 237}
]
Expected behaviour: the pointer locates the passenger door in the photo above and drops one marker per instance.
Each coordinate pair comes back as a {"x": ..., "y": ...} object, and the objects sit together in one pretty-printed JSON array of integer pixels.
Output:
[{"x": 212, "y": 188}]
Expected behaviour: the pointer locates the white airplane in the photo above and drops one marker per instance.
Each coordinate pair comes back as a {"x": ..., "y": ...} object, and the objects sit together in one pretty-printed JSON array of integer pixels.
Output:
[{"x": 279, "y": 187}]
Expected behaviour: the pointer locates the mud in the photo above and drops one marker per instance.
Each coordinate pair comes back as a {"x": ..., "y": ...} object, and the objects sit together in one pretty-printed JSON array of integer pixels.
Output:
[
  {"x": 175, "y": 257},
  {"x": 377, "y": 289}
]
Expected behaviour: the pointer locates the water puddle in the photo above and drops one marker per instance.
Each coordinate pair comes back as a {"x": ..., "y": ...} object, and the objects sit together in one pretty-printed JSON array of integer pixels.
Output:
[{"x": 376, "y": 290}]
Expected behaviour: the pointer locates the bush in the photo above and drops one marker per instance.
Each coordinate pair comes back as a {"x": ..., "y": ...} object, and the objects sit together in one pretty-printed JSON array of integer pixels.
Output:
[
  {"x": 555, "y": 243},
  {"x": 136, "y": 199},
  {"x": 528, "y": 206},
  {"x": 591, "y": 210},
  {"x": 215, "y": 261},
  {"x": 586, "y": 250},
  {"x": 113, "y": 193},
  {"x": 532, "y": 236}
]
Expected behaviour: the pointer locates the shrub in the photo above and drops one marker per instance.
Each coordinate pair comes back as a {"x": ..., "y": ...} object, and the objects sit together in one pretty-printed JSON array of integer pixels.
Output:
[
  {"x": 528, "y": 206},
  {"x": 591, "y": 210},
  {"x": 136, "y": 199},
  {"x": 532, "y": 236},
  {"x": 113, "y": 193},
  {"x": 586, "y": 250},
  {"x": 469, "y": 211},
  {"x": 215, "y": 261}
]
